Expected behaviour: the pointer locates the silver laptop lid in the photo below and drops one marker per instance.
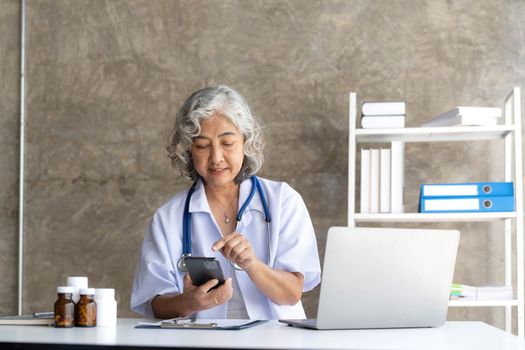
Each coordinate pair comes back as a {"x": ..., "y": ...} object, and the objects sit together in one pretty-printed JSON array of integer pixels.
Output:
[{"x": 386, "y": 278}]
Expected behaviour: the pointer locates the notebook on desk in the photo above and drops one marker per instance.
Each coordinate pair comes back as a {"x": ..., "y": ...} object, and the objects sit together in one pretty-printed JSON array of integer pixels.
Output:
[{"x": 384, "y": 278}]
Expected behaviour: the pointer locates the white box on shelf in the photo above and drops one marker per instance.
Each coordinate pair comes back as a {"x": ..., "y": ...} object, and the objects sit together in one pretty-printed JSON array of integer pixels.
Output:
[
  {"x": 397, "y": 160},
  {"x": 365, "y": 181},
  {"x": 384, "y": 180},
  {"x": 374, "y": 180}
]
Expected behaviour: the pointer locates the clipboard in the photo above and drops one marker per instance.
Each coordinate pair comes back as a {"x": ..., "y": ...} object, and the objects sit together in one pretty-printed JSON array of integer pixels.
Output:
[
  {"x": 201, "y": 324},
  {"x": 188, "y": 325}
]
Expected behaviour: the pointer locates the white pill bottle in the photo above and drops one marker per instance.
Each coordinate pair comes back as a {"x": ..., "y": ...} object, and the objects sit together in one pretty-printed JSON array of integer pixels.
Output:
[
  {"x": 106, "y": 307},
  {"x": 77, "y": 282}
]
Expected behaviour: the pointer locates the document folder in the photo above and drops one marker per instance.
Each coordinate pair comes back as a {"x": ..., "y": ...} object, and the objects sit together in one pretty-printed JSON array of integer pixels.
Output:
[
  {"x": 466, "y": 204},
  {"x": 468, "y": 189}
]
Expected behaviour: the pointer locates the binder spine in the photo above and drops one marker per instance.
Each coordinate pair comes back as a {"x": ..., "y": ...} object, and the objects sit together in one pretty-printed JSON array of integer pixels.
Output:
[
  {"x": 466, "y": 204},
  {"x": 467, "y": 189}
]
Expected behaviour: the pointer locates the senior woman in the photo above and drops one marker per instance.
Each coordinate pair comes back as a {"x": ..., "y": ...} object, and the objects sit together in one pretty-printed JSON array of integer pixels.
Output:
[{"x": 216, "y": 142}]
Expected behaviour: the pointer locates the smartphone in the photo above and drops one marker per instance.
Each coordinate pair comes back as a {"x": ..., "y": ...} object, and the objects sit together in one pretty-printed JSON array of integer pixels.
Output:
[{"x": 203, "y": 269}]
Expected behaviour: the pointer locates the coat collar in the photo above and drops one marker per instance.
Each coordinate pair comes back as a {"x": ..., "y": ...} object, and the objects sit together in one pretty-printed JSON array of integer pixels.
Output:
[{"x": 199, "y": 202}]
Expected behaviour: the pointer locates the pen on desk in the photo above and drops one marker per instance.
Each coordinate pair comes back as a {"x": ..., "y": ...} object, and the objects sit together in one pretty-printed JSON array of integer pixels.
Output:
[{"x": 45, "y": 314}]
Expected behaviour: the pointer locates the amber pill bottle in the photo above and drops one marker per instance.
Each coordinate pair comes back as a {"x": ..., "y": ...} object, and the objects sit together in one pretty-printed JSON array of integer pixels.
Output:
[
  {"x": 86, "y": 309},
  {"x": 64, "y": 308}
]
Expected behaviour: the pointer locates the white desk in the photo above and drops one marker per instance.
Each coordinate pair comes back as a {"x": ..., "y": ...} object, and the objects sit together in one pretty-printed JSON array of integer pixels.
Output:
[{"x": 271, "y": 335}]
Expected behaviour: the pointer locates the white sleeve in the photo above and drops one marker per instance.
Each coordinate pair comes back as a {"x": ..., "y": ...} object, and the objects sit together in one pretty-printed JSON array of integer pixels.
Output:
[
  {"x": 297, "y": 244},
  {"x": 155, "y": 272}
]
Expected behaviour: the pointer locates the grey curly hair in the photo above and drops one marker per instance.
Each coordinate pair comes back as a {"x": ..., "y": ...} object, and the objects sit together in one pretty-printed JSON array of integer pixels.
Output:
[{"x": 203, "y": 104}]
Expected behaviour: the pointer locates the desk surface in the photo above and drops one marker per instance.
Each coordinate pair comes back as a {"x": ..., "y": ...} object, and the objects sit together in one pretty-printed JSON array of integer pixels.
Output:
[{"x": 271, "y": 335}]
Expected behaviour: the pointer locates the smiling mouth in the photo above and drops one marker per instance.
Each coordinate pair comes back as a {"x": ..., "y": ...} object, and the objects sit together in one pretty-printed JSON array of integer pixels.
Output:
[{"x": 217, "y": 171}]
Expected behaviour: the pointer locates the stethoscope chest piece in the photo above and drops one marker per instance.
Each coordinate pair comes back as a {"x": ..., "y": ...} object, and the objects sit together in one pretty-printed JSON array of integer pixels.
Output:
[{"x": 181, "y": 263}]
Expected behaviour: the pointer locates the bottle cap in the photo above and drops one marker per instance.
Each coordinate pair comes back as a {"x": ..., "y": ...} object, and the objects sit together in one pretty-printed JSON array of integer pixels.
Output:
[
  {"x": 87, "y": 291},
  {"x": 65, "y": 289},
  {"x": 77, "y": 281},
  {"x": 105, "y": 292}
]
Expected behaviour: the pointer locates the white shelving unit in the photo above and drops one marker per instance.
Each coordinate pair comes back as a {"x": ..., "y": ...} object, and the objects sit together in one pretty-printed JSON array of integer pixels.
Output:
[{"x": 510, "y": 132}]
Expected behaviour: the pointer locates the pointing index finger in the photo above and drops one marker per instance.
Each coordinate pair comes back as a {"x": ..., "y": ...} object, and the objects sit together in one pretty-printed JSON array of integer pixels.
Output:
[
  {"x": 218, "y": 245},
  {"x": 222, "y": 242}
]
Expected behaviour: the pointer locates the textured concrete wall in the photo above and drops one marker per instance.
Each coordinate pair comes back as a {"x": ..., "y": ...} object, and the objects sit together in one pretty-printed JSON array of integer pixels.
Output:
[
  {"x": 9, "y": 153},
  {"x": 106, "y": 78}
]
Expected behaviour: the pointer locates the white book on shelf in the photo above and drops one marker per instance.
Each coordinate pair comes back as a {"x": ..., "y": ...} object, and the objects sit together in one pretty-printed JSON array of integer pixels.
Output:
[
  {"x": 382, "y": 121},
  {"x": 397, "y": 183},
  {"x": 365, "y": 181},
  {"x": 466, "y": 292},
  {"x": 463, "y": 120},
  {"x": 467, "y": 116},
  {"x": 384, "y": 180},
  {"x": 374, "y": 181},
  {"x": 384, "y": 108},
  {"x": 495, "y": 292}
]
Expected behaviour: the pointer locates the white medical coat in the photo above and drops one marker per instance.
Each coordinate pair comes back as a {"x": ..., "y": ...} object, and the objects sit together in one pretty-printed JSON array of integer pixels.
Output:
[{"x": 293, "y": 248}]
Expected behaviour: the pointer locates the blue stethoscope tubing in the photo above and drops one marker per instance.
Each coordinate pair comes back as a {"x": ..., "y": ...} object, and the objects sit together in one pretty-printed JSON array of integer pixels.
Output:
[{"x": 186, "y": 220}]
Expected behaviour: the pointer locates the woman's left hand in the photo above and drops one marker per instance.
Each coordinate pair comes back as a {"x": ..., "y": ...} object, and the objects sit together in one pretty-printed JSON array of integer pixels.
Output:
[{"x": 236, "y": 248}]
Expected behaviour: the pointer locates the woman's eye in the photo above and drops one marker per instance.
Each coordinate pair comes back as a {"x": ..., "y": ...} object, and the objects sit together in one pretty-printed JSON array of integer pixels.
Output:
[
  {"x": 201, "y": 146},
  {"x": 229, "y": 142}
]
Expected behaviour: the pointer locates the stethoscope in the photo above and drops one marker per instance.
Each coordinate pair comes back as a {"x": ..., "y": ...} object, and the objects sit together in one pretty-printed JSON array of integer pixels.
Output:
[{"x": 186, "y": 221}]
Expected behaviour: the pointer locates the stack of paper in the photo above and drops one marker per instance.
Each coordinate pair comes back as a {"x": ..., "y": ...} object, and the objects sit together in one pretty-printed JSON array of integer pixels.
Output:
[
  {"x": 378, "y": 115},
  {"x": 466, "y": 292},
  {"x": 27, "y": 320},
  {"x": 465, "y": 116}
]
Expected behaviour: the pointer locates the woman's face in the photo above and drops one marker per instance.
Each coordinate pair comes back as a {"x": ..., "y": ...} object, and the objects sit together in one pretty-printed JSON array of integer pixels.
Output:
[{"x": 218, "y": 151}]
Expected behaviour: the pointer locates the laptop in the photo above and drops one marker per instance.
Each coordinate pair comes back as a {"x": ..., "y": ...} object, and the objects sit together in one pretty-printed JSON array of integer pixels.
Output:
[{"x": 384, "y": 278}]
